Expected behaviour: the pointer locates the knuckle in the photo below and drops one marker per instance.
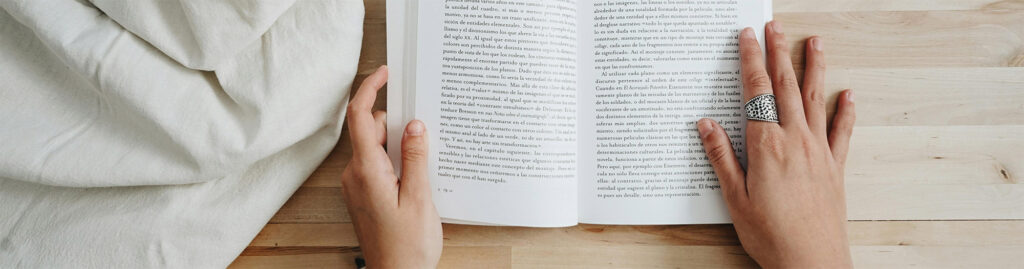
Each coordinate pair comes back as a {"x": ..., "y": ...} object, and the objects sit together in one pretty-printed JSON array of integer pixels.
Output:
[
  {"x": 815, "y": 97},
  {"x": 362, "y": 175},
  {"x": 780, "y": 45},
  {"x": 818, "y": 64},
  {"x": 414, "y": 153},
  {"x": 718, "y": 152},
  {"x": 349, "y": 179},
  {"x": 758, "y": 80},
  {"x": 787, "y": 81},
  {"x": 354, "y": 108}
]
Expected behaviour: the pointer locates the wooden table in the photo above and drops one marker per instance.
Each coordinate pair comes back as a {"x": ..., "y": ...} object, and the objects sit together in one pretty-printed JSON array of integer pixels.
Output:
[{"x": 934, "y": 178}]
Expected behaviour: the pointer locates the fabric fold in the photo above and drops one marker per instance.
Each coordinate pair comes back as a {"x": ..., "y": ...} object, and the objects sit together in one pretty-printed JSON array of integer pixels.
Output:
[
  {"x": 119, "y": 155},
  {"x": 145, "y": 106},
  {"x": 197, "y": 34}
]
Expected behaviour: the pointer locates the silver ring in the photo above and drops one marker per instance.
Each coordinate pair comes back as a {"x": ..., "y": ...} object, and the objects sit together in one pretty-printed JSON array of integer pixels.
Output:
[{"x": 762, "y": 108}]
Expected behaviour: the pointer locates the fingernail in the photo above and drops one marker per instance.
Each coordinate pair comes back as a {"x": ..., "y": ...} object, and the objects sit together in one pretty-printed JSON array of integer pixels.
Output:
[
  {"x": 704, "y": 127},
  {"x": 849, "y": 96},
  {"x": 747, "y": 33},
  {"x": 415, "y": 128},
  {"x": 776, "y": 27},
  {"x": 817, "y": 44}
]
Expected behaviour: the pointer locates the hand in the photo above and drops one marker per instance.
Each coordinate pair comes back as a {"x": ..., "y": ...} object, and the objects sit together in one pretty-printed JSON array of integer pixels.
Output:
[
  {"x": 395, "y": 220},
  {"x": 789, "y": 207}
]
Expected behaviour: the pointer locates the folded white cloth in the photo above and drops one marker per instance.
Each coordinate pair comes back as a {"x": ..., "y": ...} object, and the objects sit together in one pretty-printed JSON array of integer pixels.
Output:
[{"x": 120, "y": 151}]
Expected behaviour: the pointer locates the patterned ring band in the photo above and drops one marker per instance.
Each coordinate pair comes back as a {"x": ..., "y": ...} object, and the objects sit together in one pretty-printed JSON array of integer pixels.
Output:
[{"x": 762, "y": 108}]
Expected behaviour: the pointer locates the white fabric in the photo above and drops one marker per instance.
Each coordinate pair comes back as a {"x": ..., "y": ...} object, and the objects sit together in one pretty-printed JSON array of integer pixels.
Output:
[{"x": 119, "y": 151}]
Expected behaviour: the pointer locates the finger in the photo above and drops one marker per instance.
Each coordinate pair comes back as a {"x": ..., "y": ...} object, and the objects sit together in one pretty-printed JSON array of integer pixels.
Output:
[
  {"x": 755, "y": 78},
  {"x": 720, "y": 153},
  {"x": 361, "y": 124},
  {"x": 784, "y": 83},
  {"x": 842, "y": 127},
  {"x": 414, "y": 183},
  {"x": 380, "y": 119},
  {"x": 814, "y": 87}
]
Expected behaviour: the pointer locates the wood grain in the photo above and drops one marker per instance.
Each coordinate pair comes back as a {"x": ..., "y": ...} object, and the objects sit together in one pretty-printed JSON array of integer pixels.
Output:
[
  {"x": 937, "y": 257},
  {"x": 661, "y": 257},
  {"x": 866, "y": 233},
  {"x": 913, "y": 39},
  {"x": 318, "y": 260},
  {"x": 933, "y": 96},
  {"x": 934, "y": 174},
  {"x": 454, "y": 257},
  {"x": 933, "y": 155}
]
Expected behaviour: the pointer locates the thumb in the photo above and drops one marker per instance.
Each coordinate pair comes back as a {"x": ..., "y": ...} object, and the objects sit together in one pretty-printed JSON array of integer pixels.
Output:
[
  {"x": 414, "y": 183},
  {"x": 723, "y": 159}
]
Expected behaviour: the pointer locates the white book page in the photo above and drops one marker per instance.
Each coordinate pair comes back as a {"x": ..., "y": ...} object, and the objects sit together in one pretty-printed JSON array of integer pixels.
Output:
[
  {"x": 496, "y": 86},
  {"x": 651, "y": 69}
]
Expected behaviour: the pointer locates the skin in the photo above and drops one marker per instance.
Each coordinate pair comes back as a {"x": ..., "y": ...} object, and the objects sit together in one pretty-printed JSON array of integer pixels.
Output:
[
  {"x": 788, "y": 207},
  {"x": 395, "y": 220}
]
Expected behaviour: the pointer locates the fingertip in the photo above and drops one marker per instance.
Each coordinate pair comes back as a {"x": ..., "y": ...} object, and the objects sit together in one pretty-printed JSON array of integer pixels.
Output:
[
  {"x": 705, "y": 127},
  {"x": 377, "y": 78},
  {"x": 815, "y": 43},
  {"x": 414, "y": 147},
  {"x": 722, "y": 157},
  {"x": 842, "y": 126},
  {"x": 415, "y": 184},
  {"x": 845, "y": 111},
  {"x": 849, "y": 107},
  {"x": 748, "y": 33},
  {"x": 774, "y": 27},
  {"x": 415, "y": 128},
  {"x": 366, "y": 95},
  {"x": 844, "y": 106}
]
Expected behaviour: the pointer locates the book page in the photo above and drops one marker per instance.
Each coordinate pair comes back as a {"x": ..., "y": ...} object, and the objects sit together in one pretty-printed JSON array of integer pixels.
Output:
[
  {"x": 652, "y": 69},
  {"x": 496, "y": 85}
]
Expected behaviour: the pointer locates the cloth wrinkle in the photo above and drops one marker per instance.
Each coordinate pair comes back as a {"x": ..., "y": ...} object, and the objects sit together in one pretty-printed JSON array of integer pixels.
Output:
[
  {"x": 155, "y": 134},
  {"x": 248, "y": 126},
  {"x": 196, "y": 41},
  {"x": 57, "y": 142}
]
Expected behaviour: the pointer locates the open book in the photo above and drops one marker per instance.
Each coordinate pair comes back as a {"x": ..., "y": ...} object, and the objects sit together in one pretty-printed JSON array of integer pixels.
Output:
[{"x": 557, "y": 112}]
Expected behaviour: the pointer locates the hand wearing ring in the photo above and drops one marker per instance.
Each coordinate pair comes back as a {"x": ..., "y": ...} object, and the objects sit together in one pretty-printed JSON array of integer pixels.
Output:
[{"x": 788, "y": 205}]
